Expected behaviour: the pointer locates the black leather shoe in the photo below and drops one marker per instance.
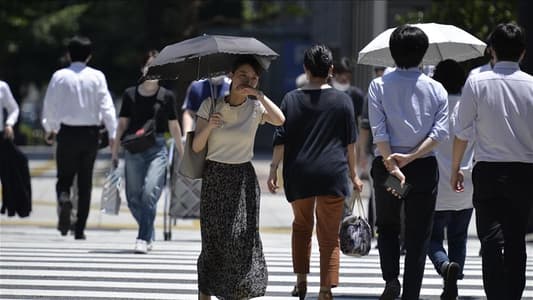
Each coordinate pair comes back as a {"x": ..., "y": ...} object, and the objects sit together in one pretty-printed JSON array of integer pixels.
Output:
[
  {"x": 63, "y": 224},
  {"x": 80, "y": 236},
  {"x": 450, "y": 271},
  {"x": 391, "y": 291}
]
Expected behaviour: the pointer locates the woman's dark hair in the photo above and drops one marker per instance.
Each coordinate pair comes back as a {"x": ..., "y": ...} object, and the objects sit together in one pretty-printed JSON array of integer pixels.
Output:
[
  {"x": 318, "y": 60},
  {"x": 247, "y": 60},
  {"x": 451, "y": 75},
  {"x": 79, "y": 48},
  {"x": 508, "y": 41},
  {"x": 344, "y": 65},
  {"x": 408, "y": 45},
  {"x": 148, "y": 56}
]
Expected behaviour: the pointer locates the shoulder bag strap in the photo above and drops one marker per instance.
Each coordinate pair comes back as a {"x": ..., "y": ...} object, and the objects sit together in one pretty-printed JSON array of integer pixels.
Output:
[{"x": 159, "y": 100}]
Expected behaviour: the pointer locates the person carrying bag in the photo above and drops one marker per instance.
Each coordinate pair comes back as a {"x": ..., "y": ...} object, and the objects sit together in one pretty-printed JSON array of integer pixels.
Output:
[
  {"x": 144, "y": 137},
  {"x": 148, "y": 111},
  {"x": 355, "y": 234}
]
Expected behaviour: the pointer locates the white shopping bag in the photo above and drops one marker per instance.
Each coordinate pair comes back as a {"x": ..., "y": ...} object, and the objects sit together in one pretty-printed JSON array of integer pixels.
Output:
[{"x": 111, "y": 192}]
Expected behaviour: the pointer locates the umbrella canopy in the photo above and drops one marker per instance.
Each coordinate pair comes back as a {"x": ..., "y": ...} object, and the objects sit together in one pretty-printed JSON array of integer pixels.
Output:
[
  {"x": 206, "y": 56},
  {"x": 445, "y": 42}
]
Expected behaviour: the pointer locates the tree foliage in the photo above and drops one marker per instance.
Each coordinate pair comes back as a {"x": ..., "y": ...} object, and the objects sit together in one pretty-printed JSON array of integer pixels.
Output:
[
  {"x": 34, "y": 34},
  {"x": 478, "y": 17}
]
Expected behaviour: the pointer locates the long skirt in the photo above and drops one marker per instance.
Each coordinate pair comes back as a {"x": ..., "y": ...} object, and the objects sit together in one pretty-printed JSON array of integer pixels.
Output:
[{"x": 231, "y": 265}]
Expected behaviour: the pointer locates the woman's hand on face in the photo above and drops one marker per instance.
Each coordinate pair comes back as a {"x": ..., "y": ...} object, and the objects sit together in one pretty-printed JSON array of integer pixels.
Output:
[
  {"x": 215, "y": 121},
  {"x": 249, "y": 91}
]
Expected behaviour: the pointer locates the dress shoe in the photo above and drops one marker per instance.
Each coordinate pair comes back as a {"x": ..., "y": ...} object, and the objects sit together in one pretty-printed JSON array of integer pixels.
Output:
[
  {"x": 450, "y": 271},
  {"x": 80, "y": 236},
  {"x": 64, "y": 217},
  {"x": 391, "y": 291}
]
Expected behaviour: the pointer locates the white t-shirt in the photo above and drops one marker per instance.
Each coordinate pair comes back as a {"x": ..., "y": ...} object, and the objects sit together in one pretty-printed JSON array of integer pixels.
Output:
[
  {"x": 234, "y": 142},
  {"x": 447, "y": 198}
]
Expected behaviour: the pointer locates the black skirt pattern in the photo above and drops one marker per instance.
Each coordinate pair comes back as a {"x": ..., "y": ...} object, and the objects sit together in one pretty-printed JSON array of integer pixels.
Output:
[{"x": 231, "y": 265}]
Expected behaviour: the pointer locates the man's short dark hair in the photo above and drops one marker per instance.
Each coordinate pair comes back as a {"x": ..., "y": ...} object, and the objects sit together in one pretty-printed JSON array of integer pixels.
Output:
[
  {"x": 344, "y": 65},
  {"x": 318, "y": 60},
  {"x": 408, "y": 45},
  {"x": 508, "y": 41},
  {"x": 451, "y": 75},
  {"x": 79, "y": 48}
]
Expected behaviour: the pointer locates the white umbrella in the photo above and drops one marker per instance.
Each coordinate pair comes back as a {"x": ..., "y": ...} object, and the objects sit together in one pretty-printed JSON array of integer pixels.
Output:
[{"x": 445, "y": 42}]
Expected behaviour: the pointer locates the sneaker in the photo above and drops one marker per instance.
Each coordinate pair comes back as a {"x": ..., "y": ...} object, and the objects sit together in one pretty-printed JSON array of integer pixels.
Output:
[
  {"x": 150, "y": 246},
  {"x": 450, "y": 271},
  {"x": 391, "y": 291},
  {"x": 141, "y": 247}
]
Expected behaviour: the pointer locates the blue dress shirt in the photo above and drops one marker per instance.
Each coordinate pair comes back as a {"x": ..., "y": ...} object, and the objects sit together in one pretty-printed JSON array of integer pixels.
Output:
[
  {"x": 496, "y": 111},
  {"x": 406, "y": 107}
]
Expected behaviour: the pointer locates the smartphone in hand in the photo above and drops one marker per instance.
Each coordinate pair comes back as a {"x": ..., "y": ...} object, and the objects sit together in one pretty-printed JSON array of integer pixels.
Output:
[{"x": 394, "y": 183}]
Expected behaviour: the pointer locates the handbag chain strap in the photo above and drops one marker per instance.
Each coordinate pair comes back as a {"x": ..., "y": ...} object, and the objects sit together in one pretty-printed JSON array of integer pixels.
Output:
[{"x": 356, "y": 197}]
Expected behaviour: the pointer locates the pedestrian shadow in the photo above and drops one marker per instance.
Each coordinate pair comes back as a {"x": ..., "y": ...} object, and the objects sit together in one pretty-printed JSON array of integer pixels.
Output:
[
  {"x": 373, "y": 297},
  {"x": 112, "y": 251}
]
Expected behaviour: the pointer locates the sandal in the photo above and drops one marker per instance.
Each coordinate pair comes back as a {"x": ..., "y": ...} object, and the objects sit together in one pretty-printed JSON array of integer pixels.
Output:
[
  {"x": 325, "y": 295},
  {"x": 300, "y": 290}
]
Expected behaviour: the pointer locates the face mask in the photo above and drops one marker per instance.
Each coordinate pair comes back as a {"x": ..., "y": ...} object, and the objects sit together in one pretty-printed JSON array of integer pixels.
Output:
[{"x": 340, "y": 86}]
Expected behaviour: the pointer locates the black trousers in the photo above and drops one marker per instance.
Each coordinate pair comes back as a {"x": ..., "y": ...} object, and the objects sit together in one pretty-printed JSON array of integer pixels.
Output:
[
  {"x": 502, "y": 199},
  {"x": 419, "y": 206},
  {"x": 77, "y": 147}
]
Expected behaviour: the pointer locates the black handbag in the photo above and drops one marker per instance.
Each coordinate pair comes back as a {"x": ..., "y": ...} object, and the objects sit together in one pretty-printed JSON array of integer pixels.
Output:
[
  {"x": 144, "y": 138},
  {"x": 355, "y": 234},
  {"x": 103, "y": 137}
]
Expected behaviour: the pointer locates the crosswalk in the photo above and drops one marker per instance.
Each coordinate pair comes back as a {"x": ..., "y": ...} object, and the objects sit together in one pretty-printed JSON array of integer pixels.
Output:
[{"x": 38, "y": 263}]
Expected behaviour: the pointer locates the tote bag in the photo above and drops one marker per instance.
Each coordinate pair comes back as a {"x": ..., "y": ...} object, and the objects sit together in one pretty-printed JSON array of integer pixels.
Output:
[
  {"x": 355, "y": 234},
  {"x": 193, "y": 163}
]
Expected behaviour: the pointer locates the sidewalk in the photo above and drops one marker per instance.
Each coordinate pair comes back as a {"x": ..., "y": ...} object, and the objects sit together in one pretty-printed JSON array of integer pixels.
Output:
[{"x": 275, "y": 212}]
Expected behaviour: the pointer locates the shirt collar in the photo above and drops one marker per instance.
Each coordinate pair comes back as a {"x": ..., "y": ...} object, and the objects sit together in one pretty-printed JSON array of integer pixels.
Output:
[
  {"x": 506, "y": 65},
  {"x": 412, "y": 69},
  {"x": 78, "y": 64}
]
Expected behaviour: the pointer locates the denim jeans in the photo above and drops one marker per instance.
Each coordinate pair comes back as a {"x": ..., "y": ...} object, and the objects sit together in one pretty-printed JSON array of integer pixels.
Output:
[
  {"x": 456, "y": 225},
  {"x": 145, "y": 178}
]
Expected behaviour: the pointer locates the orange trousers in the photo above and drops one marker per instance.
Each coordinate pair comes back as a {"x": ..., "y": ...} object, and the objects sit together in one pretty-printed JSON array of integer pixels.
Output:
[{"x": 329, "y": 211}]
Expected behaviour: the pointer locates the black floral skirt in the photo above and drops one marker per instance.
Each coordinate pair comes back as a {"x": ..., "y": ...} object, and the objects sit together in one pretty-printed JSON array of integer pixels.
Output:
[{"x": 231, "y": 265}]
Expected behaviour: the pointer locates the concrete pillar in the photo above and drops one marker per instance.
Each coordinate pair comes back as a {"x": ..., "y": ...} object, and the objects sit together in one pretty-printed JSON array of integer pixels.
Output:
[{"x": 369, "y": 18}]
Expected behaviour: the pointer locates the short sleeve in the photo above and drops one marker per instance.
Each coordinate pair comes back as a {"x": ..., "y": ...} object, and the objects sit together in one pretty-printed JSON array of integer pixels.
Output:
[
  {"x": 170, "y": 105},
  {"x": 126, "y": 107},
  {"x": 260, "y": 111},
  {"x": 280, "y": 132},
  {"x": 204, "y": 110},
  {"x": 350, "y": 126}
]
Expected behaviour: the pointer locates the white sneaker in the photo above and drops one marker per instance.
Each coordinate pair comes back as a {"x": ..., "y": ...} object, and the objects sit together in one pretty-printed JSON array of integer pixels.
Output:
[
  {"x": 141, "y": 247},
  {"x": 150, "y": 246}
]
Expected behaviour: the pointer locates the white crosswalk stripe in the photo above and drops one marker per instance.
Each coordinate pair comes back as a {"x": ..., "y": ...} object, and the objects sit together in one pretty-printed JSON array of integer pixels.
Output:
[{"x": 38, "y": 263}]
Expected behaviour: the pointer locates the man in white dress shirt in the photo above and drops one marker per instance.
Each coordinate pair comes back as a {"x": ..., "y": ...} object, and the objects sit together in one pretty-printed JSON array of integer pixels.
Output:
[
  {"x": 496, "y": 113},
  {"x": 76, "y": 101},
  {"x": 8, "y": 102}
]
